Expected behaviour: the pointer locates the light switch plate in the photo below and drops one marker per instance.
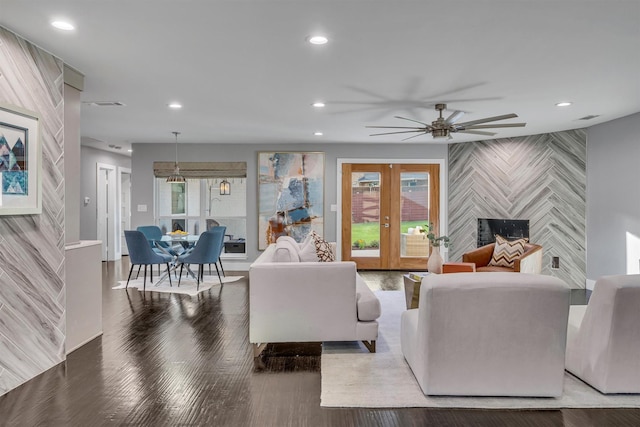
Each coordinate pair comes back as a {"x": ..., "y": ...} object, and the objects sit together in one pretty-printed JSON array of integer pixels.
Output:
[{"x": 142, "y": 208}]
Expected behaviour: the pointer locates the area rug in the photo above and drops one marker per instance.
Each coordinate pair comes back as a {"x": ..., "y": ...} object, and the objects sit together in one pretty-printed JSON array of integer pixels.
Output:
[
  {"x": 188, "y": 286},
  {"x": 352, "y": 377}
]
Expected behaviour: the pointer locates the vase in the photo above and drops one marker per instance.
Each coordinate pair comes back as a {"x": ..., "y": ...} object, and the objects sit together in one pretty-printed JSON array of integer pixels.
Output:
[{"x": 434, "y": 265}]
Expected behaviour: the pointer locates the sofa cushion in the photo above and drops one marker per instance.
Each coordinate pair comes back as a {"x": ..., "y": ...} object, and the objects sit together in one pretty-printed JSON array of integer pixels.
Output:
[
  {"x": 368, "y": 304},
  {"x": 286, "y": 250},
  {"x": 506, "y": 252},
  {"x": 307, "y": 251}
]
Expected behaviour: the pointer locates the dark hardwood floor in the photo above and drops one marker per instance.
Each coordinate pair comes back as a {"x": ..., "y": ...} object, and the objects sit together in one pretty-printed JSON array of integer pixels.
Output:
[{"x": 170, "y": 360}]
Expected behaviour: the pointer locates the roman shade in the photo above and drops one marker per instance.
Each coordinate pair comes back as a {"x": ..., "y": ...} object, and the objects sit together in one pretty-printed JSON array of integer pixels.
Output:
[{"x": 202, "y": 169}]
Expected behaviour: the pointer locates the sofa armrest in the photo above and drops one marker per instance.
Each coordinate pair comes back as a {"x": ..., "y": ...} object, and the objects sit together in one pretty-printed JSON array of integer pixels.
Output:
[
  {"x": 530, "y": 261},
  {"x": 481, "y": 256}
]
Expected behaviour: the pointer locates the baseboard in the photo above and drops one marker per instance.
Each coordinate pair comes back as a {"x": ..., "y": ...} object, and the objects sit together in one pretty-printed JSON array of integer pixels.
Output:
[{"x": 83, "y": 343}]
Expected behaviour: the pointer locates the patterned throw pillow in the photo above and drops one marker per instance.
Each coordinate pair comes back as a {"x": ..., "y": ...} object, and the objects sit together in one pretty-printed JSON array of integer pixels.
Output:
[
  {"x": 506, "y": 252},
  {"x": 323, "y": 248}
]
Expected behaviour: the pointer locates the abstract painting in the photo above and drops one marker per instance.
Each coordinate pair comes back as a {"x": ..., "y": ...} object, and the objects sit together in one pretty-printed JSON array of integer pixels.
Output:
[
  {"x": 290, "y": 195},
  {"x": 19, "y": 162}
]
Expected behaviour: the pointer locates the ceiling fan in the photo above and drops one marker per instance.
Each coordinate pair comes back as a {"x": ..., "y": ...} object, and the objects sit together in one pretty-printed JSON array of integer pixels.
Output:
[{"x": 443, "y": 128}]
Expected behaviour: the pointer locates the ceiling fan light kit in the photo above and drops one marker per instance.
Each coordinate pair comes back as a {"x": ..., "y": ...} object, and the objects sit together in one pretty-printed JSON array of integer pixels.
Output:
[
  {"x": 442, "y": 128},
  {"x": 440, "y": 133}
]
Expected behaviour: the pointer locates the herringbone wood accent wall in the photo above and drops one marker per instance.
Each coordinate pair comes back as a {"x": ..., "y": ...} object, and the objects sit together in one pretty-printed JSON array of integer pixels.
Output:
[
  {"x": 541, "y": 178},
  {"x": 32, "y": 287}
]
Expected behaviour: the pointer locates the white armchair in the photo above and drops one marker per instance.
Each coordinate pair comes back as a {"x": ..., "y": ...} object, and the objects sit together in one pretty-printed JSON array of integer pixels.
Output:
[
  {"x": 488, "y": 334},
  {"x": 603, "y": 339}
]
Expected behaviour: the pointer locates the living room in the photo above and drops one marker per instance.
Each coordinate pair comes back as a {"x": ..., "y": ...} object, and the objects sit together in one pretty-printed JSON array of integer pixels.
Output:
[{"x": 573, "y": 184}]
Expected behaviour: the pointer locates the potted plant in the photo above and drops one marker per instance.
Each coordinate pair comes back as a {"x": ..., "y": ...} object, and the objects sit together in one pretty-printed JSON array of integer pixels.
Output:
[{"x": 434, "y": 265}]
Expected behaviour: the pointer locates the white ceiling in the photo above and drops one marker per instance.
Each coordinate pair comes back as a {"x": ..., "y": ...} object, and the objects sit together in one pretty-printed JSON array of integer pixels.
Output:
[{"x": 245, "y": 74}]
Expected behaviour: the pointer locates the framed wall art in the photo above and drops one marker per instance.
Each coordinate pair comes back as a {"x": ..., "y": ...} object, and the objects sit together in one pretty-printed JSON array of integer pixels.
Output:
[
  {"x": 20, "y": 162},
  {"x": 290, "y": 195}
]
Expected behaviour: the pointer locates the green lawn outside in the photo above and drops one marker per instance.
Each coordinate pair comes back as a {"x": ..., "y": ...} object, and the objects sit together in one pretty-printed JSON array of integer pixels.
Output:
[{"x": 367, "y": 234}]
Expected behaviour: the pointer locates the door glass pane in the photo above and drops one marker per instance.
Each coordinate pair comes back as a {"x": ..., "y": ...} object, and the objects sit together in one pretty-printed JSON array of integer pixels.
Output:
[
  {"x": 193, "y": 197},
  {"x": 414, "y": 213},
  {"x": 365, "y": 214},
  {"x": 178, "y": 199},
  {"x": 163, "y": 199}
]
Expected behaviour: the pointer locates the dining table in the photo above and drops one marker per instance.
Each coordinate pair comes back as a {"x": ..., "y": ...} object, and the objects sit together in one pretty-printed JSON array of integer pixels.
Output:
[{"x": 188, "y": 241}]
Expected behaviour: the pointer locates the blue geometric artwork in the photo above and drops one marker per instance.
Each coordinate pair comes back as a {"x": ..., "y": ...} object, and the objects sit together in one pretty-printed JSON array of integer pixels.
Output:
[
  {"x": 14, "y": 167},
  {"x": 290, "y": 195}
]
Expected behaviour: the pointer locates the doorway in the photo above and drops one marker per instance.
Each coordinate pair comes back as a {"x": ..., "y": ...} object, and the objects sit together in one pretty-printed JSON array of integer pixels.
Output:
[
  {"x": 106, "y": 216},
  {"x": 384, "y": 205},
  {"x": 124, "y": 219}
]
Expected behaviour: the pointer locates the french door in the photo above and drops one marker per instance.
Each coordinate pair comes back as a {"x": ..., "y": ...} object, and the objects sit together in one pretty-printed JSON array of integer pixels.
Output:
[{"x": 382, "y": 205}]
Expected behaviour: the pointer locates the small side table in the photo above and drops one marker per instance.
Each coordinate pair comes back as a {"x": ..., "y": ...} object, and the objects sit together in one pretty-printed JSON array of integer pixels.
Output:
[{"x": 412, "y": 282}]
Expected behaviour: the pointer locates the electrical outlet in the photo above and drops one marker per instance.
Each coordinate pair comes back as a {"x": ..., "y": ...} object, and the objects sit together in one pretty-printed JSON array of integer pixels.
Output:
[{"x": 555, "y": 262}]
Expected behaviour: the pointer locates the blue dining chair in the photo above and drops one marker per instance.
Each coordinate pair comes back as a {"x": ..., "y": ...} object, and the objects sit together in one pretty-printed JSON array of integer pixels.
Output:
[
  {"x": 205, "y": 252},
  {"x": 217, "y": 230},
  {"x": 140, "y": 253}
]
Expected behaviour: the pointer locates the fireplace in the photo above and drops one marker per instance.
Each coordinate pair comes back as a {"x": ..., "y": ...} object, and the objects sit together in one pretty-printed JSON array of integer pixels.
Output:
[{"x": 510, "y": 229}]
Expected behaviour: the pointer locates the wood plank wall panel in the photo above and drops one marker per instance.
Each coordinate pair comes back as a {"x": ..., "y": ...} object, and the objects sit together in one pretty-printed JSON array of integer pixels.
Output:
[
  {"x": 541, "y": 178},
  {"x": 32, "y": 291}
]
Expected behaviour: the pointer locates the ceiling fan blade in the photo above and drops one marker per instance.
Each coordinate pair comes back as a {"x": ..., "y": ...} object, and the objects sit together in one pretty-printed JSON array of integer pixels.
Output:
[
  {"x": 411, "y": 120},
  {"x": 392, "y": 133},
  {"x": 505, "y": 125},
  {"x": 477, "y": 132},
  {"x": 394, "y": 127},
  {"x": 424, "y": 133},
  {"x": 488, "y": 119},
  {"x": 454, "y": 117}
]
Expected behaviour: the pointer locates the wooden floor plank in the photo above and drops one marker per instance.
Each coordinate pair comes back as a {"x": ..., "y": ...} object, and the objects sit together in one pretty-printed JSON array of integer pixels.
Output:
[{"x": 167, "y": 360}]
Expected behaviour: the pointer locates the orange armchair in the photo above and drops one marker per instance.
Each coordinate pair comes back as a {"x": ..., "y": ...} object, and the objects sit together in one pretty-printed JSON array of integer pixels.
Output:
[{"x": 529, "y": 262}]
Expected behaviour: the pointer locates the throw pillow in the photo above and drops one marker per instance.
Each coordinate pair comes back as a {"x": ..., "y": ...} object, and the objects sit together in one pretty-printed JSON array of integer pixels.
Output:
[
  {"x": 307, "y": 251},
  {"x": 286, "y": 250},
  {"x": 323, "y": 248},
  {"x": 507, "y": 251},
  {"x": 289, "y": 239}
]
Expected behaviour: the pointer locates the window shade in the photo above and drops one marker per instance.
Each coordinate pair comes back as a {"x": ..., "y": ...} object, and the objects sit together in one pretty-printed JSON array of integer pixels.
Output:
[{"x": 202, "y": 169}]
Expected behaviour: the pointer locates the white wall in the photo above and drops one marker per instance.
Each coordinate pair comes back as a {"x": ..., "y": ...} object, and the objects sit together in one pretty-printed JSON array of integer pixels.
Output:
[
  {"x": 89, "y": 157},
  {"x": 613, "y": 197},
  {"x": 145, "y": 154}
]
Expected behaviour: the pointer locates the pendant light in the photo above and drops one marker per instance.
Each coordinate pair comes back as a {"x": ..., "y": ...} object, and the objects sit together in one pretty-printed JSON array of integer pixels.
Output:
[
  {"x": 175, "y": 177},
  {"x": 225, "y": 188}
]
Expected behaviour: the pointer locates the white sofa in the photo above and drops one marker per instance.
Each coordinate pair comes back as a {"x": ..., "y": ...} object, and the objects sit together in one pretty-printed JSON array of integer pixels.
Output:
[
  {"x": 309, "y": 302},
  {"x": 488, "y": 334},
  {"x": 603, "y": 339}
]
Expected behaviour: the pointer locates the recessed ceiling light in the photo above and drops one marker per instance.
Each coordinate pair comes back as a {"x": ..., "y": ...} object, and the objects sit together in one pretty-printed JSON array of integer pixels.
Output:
[
  {"x": 63, "y": 25},
  {"x": 318, "y": 133},
  {"x": 130, "y": 150},
  {"x": 318, "y": 104},
  {"x": 175, "y": 105},
  {"x": 563, "y": 104},
  {"x": 317, "y": 39}
]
